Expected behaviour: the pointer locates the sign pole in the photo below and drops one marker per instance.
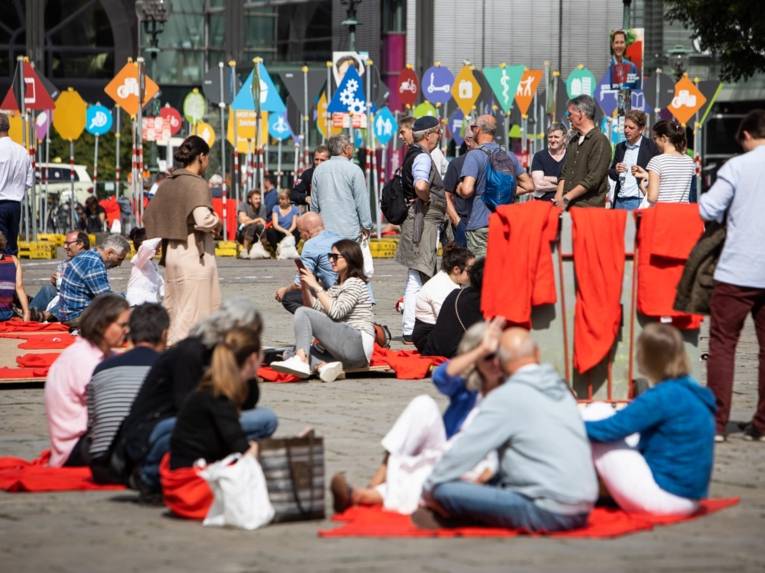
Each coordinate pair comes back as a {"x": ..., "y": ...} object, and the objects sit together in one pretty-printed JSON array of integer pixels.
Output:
[
  {"x": 71, "y": 184},
  {"x": 657, "y": 109},
  {"x": 370, "y": 129},
  {"x": 222, "y": 108},
  {"x": 383, "y": 160},
  {"x": 95, "y": 167},
  {"x": 45, "y": 174},
  {"x": 306, "y": 126},
  {"x": 138, "y": 181},
  {"x": 279, "y": 165},
  {"x": 329, "y": 98},
  {"x": 696, "y": 144},
  {"x": 24, "y": 141},
  {"x": 117, "y": 136},
  {"x": 296, "y": 143},
  {"x": 232, "y": 112},
  {"x": 33, "y": 155},
  {"x": 256, "y": 101}
]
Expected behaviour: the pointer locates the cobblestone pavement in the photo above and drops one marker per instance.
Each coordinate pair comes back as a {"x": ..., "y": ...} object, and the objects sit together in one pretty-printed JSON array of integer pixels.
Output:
[{"x": 107, "y": 531}]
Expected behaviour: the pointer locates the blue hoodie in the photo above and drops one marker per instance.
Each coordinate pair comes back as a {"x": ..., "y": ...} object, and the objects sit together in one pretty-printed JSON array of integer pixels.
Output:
[{"x": 676, "y": 422}]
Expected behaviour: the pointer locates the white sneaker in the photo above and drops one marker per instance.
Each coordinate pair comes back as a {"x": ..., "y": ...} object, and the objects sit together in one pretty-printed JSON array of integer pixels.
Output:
[
  {"x": 294, "y": 366},
  {"x": 330, "y": 371}
]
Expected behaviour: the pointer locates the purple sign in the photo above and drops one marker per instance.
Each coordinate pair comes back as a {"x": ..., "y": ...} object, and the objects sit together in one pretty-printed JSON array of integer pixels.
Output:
[
  {"x": 455, "y": 127},
  {"x": 436, "y": 84},
  {"x": 42, "y": 124},
  {"x": 605, "y": 97}
]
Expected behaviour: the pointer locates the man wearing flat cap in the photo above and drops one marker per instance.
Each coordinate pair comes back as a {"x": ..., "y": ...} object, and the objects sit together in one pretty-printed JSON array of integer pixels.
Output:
[{"x": 424, "y": 192}]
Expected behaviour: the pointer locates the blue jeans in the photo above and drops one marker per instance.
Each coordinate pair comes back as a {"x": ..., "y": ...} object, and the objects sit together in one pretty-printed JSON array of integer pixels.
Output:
[
  {"x": 43, "y": 297},
  {"x": 628, "y": 203},
  {"x": 499, "y": 507},
  {"x": 459, "y": 234},
  {"x": 257, "y": 424}
]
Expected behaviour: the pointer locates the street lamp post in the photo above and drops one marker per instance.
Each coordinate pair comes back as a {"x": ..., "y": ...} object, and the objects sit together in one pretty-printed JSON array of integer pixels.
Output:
[{"x": 350, "y": 21}]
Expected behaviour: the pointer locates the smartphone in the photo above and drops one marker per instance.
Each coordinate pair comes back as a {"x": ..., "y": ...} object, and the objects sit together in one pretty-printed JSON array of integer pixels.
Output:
[{"x": 299, "y": 264}]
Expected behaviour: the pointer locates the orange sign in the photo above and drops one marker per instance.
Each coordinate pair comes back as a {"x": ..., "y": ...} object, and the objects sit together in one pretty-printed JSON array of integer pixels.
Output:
[
  {"x": 687, "y": 101},
  {"x": 205, "y": 131},
  {"x": 123, "y": 88},
  {"x": 465, "y": 89},
  {"x": 321, "y": 118},
  {"x": 527, "y": 87},
  {"x": 69, "y": 115}
]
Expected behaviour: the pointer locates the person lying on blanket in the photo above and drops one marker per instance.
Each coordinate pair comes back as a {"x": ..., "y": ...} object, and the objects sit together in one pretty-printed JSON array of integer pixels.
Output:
[
  {"x": 656, "y": 455},
  {"x": 545, "y": 480},
  {"x": 420, "y": 435}
]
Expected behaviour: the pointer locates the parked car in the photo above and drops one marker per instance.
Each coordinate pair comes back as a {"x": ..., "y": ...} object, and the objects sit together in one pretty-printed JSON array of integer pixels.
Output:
[{"x": 59, "y": 185}]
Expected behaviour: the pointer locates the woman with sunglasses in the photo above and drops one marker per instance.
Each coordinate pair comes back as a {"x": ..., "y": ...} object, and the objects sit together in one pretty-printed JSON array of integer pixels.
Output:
[
  {"x": 340, "y": 319},
  {"x": 421, "y": 434}
]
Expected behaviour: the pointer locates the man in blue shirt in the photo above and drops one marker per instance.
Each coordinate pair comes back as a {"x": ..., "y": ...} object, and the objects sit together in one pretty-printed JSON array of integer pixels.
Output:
[
  {"x": 318, "y": 242},
  {"x": 636, "y": 150},
  {"x": 270, "y": 193},
  {"x": 474, "y": 182}
]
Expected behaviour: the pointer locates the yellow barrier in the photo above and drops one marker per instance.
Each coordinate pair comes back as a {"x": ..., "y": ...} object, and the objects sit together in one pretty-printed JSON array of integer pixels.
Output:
[{"x": 226, "y": 249}]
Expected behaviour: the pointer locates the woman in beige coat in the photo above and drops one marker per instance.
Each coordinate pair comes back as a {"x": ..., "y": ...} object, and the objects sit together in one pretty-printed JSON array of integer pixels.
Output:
[{"x": 181, "y": 214}]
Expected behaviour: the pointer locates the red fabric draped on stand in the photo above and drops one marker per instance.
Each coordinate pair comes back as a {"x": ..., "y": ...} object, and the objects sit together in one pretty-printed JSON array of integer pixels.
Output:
[
  {"x": 519, "y": 269},
  {"x": 184, "y": 492},
  {"x": 598, "y": 238},
  {"x": 231, "y": 215},
  {"x": 18, "y": 475}
]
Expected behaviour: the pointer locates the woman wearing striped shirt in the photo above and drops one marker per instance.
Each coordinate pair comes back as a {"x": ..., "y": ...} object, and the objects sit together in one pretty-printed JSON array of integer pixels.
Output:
[
  {"x": 668, "y": 176},
  {"x": 340, "y": 319}
]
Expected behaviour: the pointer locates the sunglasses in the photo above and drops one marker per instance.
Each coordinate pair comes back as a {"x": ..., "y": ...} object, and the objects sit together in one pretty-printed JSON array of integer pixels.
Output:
[
  {"x": 490, "y": 357},
  {"x": 334, "y": 256}
]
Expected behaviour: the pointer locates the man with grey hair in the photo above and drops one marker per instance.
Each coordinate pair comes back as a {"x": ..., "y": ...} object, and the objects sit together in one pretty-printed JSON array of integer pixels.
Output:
[
  {"x": 339, "y": 192},
  {"x": 545, "y": 481},
  {"x": 16, "y": 176},
  {"x": 584, "y": 179}
]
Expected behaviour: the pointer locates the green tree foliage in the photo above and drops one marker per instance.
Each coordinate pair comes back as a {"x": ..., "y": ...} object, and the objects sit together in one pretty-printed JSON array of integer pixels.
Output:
[{"x": 733, "y": 29}]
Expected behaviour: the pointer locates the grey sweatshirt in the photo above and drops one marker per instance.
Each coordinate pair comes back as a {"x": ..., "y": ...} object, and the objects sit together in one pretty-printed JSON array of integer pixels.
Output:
[{"x": 533, "y": 423}]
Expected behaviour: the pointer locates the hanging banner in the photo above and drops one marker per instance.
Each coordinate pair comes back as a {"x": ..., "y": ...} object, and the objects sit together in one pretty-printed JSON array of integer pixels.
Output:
[
  {"x": 98, "y": 119},
  {"x": 194, "y": 106},
  {"x": 504, "y": 82},
  {"x": 581, "y": 81},
  {"x": 437, "y": 84},
  {"x": 123, "y": 89},
  {"x": 687, "y": 101},
  {"x": 269, "y": 95},
  {"x": 172, "y": 117},
  {"x": 527, "y": 87},
  {"x": 203, "y": 130},
  {"x": 69, "y": 116},
  {"x": 465, "y": 89},
  {"x": 245, "y": 130},
  {"x": 625, "y": 68}
]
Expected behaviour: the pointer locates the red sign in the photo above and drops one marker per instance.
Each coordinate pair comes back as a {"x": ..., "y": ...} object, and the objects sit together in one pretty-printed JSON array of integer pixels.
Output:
[
  {"x": 408, "y": 87},
  {"x": 172, "y": 117},
  {"x": 36, "y": 97}
]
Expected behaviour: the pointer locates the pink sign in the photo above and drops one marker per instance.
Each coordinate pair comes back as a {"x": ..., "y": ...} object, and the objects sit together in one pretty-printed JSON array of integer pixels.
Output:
[{"x": 42, "y": 124}]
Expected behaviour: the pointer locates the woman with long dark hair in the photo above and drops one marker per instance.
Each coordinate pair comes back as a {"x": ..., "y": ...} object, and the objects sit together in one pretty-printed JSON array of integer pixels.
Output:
[
  {"x": 340, "y": 319},
  {"x": 181, "y": 214}
]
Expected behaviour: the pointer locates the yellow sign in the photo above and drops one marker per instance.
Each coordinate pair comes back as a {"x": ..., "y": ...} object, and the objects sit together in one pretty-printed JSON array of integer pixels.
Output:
[
  {"x": 16, "y": 132},
  {"x": 465, "y": 89},
  {"x": 321, "y": 118},
  {"x": 205, "y": 131},
  {"x": 69, "y": 115},
  {"x": 123, "y": 88},
  {"x": 245, "y": 130}
]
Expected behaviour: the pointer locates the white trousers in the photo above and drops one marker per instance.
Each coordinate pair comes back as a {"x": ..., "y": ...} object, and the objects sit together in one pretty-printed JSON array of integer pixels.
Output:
[
  {"x": 626, "y": 474},
  {"x": 411, "y": 288}
]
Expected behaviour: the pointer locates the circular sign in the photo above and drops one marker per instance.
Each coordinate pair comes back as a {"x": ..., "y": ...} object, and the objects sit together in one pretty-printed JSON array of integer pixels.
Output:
[
  {"x": 437, "y": 84},
  {"x": 173, "y": 118},
  {"x": 205, "y": 131},
  {"x": 425, "y": 108},
  {"x": 581, "y": 81},
  {"x": 408, "y": 87},
  {"x": 69, "y": 115},
  {"x": 194, "y": 106},
  {"x": 98, "y": 119}
]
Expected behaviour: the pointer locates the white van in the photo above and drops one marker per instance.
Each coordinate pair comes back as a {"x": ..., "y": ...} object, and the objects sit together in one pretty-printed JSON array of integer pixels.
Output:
[{"x": 59, "y": 184}]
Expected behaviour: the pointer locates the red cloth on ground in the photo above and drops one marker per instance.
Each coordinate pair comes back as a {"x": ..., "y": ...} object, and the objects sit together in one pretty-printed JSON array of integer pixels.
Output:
[
  {"x": 42, "y": 341},
  {"x": 407, "y": 364},
  {"x": 268, "y": 374},
  {"x": 598, "y": 237},
  {"x": 231, "y": 215},
  {"x": 42, "y": 360},
  {"x": 519, "y": 269},
  {"x": 604, "y": 523},
  {"x": 112, "y": 209},
  {"x": 18, "y": 475},
  {"x": 21, "y": 373},
  {"x": 18, "y": 325},
  {"x": 183, "y": 491},
  {"x": 666, "y": 235}
]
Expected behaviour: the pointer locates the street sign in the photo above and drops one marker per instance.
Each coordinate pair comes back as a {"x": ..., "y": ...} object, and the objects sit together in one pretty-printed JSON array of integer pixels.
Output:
[
  {"x": 205, "y": 131},
  {"x": 581, "y": 81},
  {"x": 69, "y": 115},
  {"x": 408, "y": 87},
  {"x": 278, "y": 126},
  {"x": 687, "y": 101},
  {"x": 123, "y": 88},
  {"x": 245, "y": 129},
  {"x": 384, "y": 126},
  {"x": 172, "y": 117},
  {"x": 605, "y": 96},
  {"x": 269, "y": 95},
  {"x": 36, "y": 96},
  {"x": 98, "y": 119},
  {"x": 296, "y": 82},
  {"x": 16, "y": 131},
  {"x": 425, "y": 108},
  {"x": 504, "y": 82},
  {"x": 321, "y": 118},
  {"x": 455, "y": 127},
  {"x": 465, "y": 89},
  {"x": 527, "y": 87},
  {"x": 666, "y": 91},
  {"x": 349, "y": 97},
  {"x": 194, "y": 106},
  {"x": 158, "y": 130},
  {"x": 211, "y": 85},
  {"x": 42, "y": 124},
  {"x": 437, "y": 84}
]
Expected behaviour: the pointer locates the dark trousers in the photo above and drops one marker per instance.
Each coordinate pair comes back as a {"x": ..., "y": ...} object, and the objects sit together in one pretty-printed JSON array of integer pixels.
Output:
[
  {"x": 292, "y": 300},
  {"x": 10, "y": 218},
  {"x": 273, "y": 236},
  {"x": 729, "y": 306}
]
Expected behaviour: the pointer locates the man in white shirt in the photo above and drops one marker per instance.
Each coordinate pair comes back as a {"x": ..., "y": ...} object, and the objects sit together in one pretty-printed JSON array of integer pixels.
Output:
[{"x": 16, "y": 176}]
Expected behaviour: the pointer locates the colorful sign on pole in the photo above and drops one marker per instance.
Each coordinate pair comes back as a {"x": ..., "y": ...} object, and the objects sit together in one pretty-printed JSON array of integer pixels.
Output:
[
  {"x": 423, "y": 109},
  {"x": 321, "y": 118},
  {"x": 194, "y": 106},
  {"x": 455, "y": 126},
  {"x": 245, "y": 129},
  {"x": 527, "y": 87},
  {"x": 36, "y": 97},
  {"x": 123, "y": 88},
  {"x": 581, "y": 81},
  {"x": 205, "y": 131},
  {"x": 465, "y": 89},
  {"x": 42, "y": 124},
  {"x": 408, "y": 87},
  {"x": 687, "y": 101},
  {"x": 172, "y": 117},
  {"x": 269, "y": 96},
  {"x": 278, "y": 126},
  {"x": 437, "y": 84},
  {"x": 69, "y": 115},
  {"x": 349, "y": 96},
  {"x": 385, "y": 126},
  {"x": 304, "y": 85},
  {"x": 504, "y": 81},
  {"x": 98, "y": 119},
  {"x": 605, "y": 96}
]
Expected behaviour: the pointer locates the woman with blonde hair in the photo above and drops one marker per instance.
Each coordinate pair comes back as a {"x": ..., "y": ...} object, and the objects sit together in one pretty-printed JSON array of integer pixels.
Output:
[
  {"x": 667, "y": 468},
  {"x": 209, "y": 424}
]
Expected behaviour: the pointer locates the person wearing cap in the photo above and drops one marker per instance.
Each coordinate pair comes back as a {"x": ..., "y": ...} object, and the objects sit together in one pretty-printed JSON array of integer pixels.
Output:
[
  {"x": 424, "y": 192},
  {"x": 405, "y": 126}
]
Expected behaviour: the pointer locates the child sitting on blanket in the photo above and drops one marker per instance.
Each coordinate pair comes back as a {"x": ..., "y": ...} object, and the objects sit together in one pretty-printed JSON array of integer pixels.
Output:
[
  {"x": 421, "y": 435},
  {"x": 656, "y": 455},
  {"x": 146, "y": 283}
]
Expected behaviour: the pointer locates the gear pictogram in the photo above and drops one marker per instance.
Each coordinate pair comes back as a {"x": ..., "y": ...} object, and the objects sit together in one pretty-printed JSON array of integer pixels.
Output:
[
  {"x": 357, "y": 106},
  {"x": 352, "y": 85},
  {"x": 346, "y": 97}
]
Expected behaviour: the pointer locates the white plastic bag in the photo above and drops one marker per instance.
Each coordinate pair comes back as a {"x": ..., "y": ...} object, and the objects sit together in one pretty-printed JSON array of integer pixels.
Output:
[
  {"x": 258, "y": 251},
  {"x": 241, "y": 497},
  {"x": 286, "y": 248},
  {"x": 369, "y": 265}
]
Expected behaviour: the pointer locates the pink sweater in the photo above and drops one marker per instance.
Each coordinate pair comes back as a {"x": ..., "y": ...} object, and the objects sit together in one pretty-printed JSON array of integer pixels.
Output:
[{"x": 65, "y": 397}]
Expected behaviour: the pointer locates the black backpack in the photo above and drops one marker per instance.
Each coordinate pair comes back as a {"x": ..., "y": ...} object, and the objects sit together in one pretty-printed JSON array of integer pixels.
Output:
[{"x": 393, "y": 201}]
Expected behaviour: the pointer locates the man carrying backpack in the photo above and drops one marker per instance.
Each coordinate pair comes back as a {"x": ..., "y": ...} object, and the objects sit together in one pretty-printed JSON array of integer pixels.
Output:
[
  {"x": 488, "y": 157},
  {"x": 424, "y": 194}
]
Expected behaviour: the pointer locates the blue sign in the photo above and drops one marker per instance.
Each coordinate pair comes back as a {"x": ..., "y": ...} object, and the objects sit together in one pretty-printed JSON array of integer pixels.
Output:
[
  {"x": 605, "y": 97},
  {"x": 436, "y": 84},
  {"x": 270, "y": 100},
  {"x": 637, "y": 100},
  {"x": 278, "y": 126},
  {"x": 349, "y": 97},
  {"x": 98, "y": 119},
  {"x": 385, "y": 126},
  {"x": 455, "y": 127}
]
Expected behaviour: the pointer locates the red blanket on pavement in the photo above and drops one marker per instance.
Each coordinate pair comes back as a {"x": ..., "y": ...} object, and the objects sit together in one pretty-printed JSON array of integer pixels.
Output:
[
  {"x": 598, "y": 237},
  {"x": 183, "y": 491},
  {"x": 519, "y": 268},
  {"x": 41, "y": 360},
  {"x": 604, "y": 523},
  {"x": 18, "y": 325},
  {"x": 407, "y": 364},
  {"x": 268, "y": 374},
  {"x": 22, "y": 373},
  {"x": 666, "y": 236},
  {"x": 18, "y": 475},
  {"x": 57, "y": 341}
]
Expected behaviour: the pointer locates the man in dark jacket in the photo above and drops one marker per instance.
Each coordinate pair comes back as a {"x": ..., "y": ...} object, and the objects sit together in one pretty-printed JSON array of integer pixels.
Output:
[
  {"x": 636, "y": 150},
  {"x": 301, "y": 192}
]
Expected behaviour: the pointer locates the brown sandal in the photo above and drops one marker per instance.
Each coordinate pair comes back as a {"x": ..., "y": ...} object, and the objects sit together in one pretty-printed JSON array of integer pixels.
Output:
[{"x": 342, "y": 493}]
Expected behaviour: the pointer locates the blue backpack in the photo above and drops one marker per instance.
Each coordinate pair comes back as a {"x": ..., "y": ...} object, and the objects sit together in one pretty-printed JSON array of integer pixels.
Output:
[{"x": 500, "y": 179}]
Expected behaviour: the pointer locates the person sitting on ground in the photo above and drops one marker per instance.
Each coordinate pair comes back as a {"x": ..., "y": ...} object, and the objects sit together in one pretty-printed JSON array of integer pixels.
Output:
[
  {"x": 116, "y": 381},
  {"x": 103, "y": 326},
  {"x": 211, "y": 423},
  {"x": 454, "y": 274},
  {"x": 421, "y": 435},
  {"x": 317, "y": 243},
  {"x": 460, "y": 310},
  {"x": 668, "y": 471},
  {"x": 145, "y": 434},
  {"x": 74, "y": 243},
  {"x": 545, "y": 481},
  {"x": 11, "y": 284},
  {"x": 145, "y": 283},
  {"x": 251, "y": 216},
  {"x": 92, "y": 217},
  {"x": 283, "y": 221},
  {"x": 85, "y": 278},
  {"x": 340, "y": 319}
]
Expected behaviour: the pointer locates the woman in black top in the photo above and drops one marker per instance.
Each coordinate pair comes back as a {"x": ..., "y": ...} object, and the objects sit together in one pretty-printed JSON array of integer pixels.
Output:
[{"x": 209, "y": 424}]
